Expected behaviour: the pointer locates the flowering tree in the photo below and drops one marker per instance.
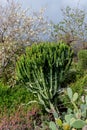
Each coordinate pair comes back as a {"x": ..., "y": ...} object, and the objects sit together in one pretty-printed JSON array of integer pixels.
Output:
[
  {"x": 18, "y": 29},
  {"x": 73, "y": 27}
]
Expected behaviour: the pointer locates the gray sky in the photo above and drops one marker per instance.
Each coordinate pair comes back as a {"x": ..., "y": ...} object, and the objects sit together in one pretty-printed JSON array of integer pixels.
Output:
[{"x": 53, "y": 7}]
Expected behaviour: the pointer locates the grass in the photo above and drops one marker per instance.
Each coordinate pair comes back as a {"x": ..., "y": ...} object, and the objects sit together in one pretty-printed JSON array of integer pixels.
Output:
[{"x": 12, "y": 98}]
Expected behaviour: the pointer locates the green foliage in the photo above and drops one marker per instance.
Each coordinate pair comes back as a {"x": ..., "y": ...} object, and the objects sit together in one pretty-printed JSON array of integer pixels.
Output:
[
  {"x": 42, "y": 69},
  {"x": 78, "y": 117},
  {"x": 52, "y": 126},
  {"x": 45, "y": 56},
  {"x": 78, "y": 86},
  {"x": 74, "y": 74},
  {"x": 11, "y": 98},
  {"x": 74, "y": 118},
  {"x": 70, "y": 76},
  {"x": 77, "y": 71},
  {"x": 82, "y": 59},
  {"x": 69, "y": 91},
  {"x": 78, "y": 123}
]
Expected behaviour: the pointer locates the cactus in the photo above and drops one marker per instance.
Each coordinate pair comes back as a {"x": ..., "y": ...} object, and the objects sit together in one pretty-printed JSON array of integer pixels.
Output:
[
  {"x": 53, "y": 126},
  {"x": 77, "y": 117},
  {"x": 73, "y": 98},
  {"x": 74, "y": 119},
  {"x": 70, "y": 93},
  {"x": 42, "y": 69},
  {"x": 78, "y": 123}
]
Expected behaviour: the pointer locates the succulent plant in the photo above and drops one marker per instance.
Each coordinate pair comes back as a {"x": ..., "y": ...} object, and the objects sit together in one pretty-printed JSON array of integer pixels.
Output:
[
  {"x": 76, "y": 119},
  {"x": 42, "y": 70}
]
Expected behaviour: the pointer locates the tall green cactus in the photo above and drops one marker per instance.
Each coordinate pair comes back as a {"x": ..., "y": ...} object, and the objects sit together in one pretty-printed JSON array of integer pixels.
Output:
[{"x": 42, "y": 69}]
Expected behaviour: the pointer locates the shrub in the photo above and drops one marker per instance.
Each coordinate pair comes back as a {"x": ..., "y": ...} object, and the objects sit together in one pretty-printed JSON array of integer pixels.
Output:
[
  {"x": 82, "y": 59},
  {"x": 79, "y": 86},
  {"x": 20, "y": 120},
  {"x": 74, "y": 74},
  {"x": 70, "y": 76},
  {"x": 42, "y": 69},
  {"x": 12, "y": 98}
]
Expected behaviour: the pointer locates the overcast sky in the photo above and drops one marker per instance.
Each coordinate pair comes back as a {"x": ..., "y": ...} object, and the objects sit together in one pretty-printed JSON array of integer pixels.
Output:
[{"x": 53, "y": 7}]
